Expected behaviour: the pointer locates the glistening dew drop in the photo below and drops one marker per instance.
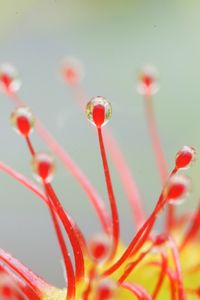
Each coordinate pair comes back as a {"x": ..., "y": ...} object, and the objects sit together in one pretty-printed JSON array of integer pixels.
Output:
[{"x": 163, "y": 265}]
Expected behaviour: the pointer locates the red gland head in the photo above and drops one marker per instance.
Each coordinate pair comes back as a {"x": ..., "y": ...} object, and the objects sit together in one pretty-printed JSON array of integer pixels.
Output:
[
  {"x": 100, "y": 247},
  {"x": 72, "y": 70},
  {"x": 148, "y": 82},
  {"x": 105, "y": 290},
  {"x": 185, "y": 157},
  {"x": 99, "y": 111},
  {"x": 23, "y": 120},
  {"x": 6, "y": 292},
  {"x": 43, "y": 167},
  {"x": 9, "y": 79},
  {"x": 8, "y": 289},
  {"x": 160, "y": 240},
  {"x": 177, "y": 189}
]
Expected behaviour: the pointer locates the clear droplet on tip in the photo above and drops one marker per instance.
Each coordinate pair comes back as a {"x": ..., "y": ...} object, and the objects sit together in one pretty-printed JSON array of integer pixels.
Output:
[
  {"x": 99, "y": 111},
  {"x": 100, "y": 247},
  {"x": 23, "y": 120},
  {"x": 43, "y": 167},
  {"x": 72, "y": 70},
  {"x": 148, "y": 81},
  {"x": 177, "y": 189},
  {"x": 9, "y": 79},
  {"x": 184, "y": 157},
  {"x": 106, "y": 289},
  {"x": 160, "y": 242}
]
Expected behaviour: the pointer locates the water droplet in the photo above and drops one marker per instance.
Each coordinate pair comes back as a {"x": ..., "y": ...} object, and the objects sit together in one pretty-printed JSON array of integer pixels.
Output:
[
  {"x": 100, "y": 247},
  {"x": 185, "y": 157},
  {"x": 43, "y": 167},
  {"x": 9, "y": 79},
  {"x": 23, "y": 120},
  {"x": 177, "y": 189},
  {"x": 160, "y": 239},
  {"x": 106, "y": 289},
  {"x": 99, "y": 111},
  {"x": 148, "y": 81},
  {"x": 160, "y": 242},
  {"x": 72, "y": 70}
]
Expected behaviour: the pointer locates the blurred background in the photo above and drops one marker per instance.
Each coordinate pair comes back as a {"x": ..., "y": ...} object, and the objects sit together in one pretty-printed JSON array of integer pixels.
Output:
[{"x": 113, "y": 39}]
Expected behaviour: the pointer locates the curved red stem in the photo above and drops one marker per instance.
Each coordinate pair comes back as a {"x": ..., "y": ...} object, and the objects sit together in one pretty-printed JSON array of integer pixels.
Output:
[
  {"x": 149, "y": 223},
  {"x": 30, "y": 147},
  {"x": 171, "y": 277},
  {"x": 32, "y": 187},
  {"x": 164, "y": 265},
  {"x": 117, "y": 157},
  {"x": 177, "y": 264},
  {"x": 132, "y": 266},
  {"x": 19, "y": 285},
  {"x": 56, "y": 205},
  {"x": 137, "y": 290},
  {"x": 170, "y": 217},
  {"x": 78, "y": 253},
  {"x": 140, "y": 237},
  {"x": 91, "y": 276},
  {"x": 35, "y": 282},
  {"x": 111, "y": 196},
  {"x": 71, "y": 288},
  {"x": 72, "y": 167},
  {"x": 159, "y": 154},
  {"x": 155, "y": 139}
]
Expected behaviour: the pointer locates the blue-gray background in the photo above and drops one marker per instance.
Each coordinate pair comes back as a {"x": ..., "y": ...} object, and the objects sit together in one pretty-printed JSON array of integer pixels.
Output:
[{"x": 113, "y": 39}]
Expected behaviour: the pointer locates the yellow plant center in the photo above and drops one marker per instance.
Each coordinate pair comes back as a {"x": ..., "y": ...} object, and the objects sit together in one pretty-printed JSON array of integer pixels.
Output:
[{"x": 146, "y": 275}]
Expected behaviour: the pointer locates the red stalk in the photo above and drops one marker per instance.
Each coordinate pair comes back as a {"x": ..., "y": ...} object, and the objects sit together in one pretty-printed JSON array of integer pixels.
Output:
[
  {"x": 159, "y": 155},
  {"x": 133, "y": 289},
  {"x": 71, "y": 289},
  {"x": 72, "y": 167},
  {"x": 144, "y": 237},
  {"x": 111, "y": 196},
  {"x": 130, "y": 248},
  {"x": 140, "y": 237},
  {"x": 78, "y": 253},
  {"x": 155, "y": 139},
  {"x": 126, "y": 177},
  {"x": 23, "y": 180},
  {"x": 132, "y": 266},
  {"x": 35, "y": 282},
  {"x": 56, "y": 205},
  {"x": 137, "y": 290},
  {"x": 68, "y": 264},
  {"x": 171, "y": 277},
  {"x": 91, "y": 276},
  {"x": 20, "y": 286},
  {"x": 29, "y": 144},
  {"x": 170, "y": 221},
  {"x": 151, "y": 221},
  {"x": 161, "y": 202},
  {"x": 164, "y": 265},
  {"x": 32, "y": 187},
  {"x": 177, "y": 264},
  {"x": 146, "y": 233}
]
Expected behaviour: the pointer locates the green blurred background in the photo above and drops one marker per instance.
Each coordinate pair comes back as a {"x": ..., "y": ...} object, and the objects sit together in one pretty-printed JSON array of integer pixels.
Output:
[{"x": 112, "y": 39}]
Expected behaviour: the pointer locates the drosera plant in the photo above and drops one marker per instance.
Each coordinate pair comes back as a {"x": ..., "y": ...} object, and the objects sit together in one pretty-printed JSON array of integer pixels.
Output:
[{"x": 165, "y": 265}]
